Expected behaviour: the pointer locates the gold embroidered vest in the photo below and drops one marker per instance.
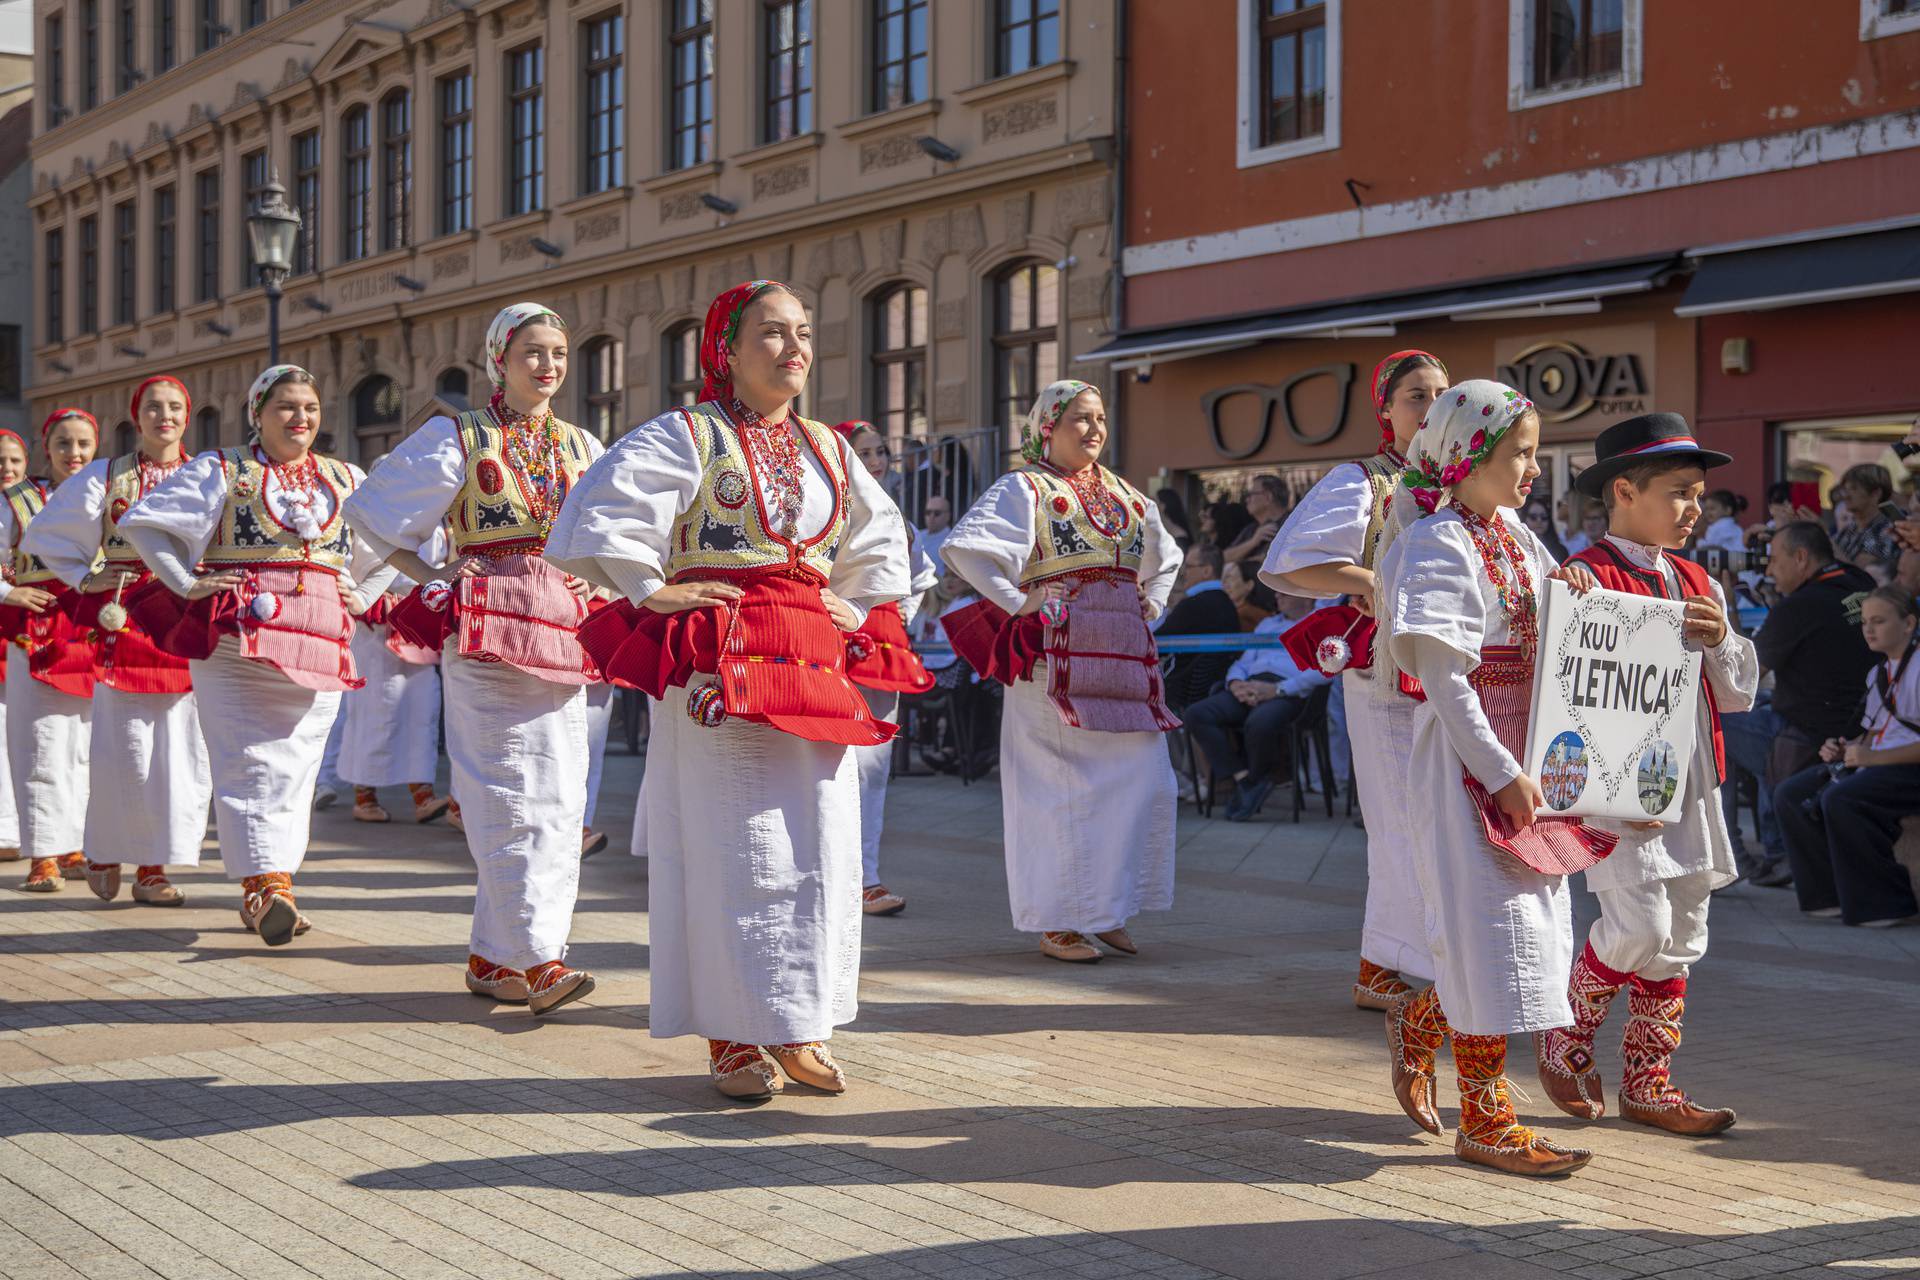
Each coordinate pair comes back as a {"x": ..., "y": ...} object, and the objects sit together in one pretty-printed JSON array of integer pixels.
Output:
[
  {"x": 725, "y": 526},
  {"x": 249, "y": 532},
  {"x": 493, "y": 514},
  {"x": 1069, "y": 540},
  {"x": 27, "y": 499},
  {"x": 123, "y": 490},
  {"x": 1383, "y": 473}
]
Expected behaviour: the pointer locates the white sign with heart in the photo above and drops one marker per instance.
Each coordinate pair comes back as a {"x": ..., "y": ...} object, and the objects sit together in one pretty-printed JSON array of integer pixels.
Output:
[{"x": 1615, "y": 698}]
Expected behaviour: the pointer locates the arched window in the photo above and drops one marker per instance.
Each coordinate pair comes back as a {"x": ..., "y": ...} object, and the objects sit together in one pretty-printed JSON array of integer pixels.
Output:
[
  {"x": 356, "y": 220},
  {"x": 1026, "y": 340},
  {"x": 452, "y": 387},
  {"x": 682, "y": 346},
  {"x": 602, "y": 390},
  {"x": 898, "y": 319},
  {"x": 206, "y": 432},
  {"x": 376, "y": 416},
  {"x": 125, "y": 439},
  {"x": 396, "y": 170}
]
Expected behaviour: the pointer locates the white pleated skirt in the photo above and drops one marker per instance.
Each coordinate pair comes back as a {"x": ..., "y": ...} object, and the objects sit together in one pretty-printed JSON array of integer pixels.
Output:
[
  {"x": 265, "y": 736},
  {"x": 9, "y": 811},
  {"x": 599, "y": 721},
  {"x": 390, "y": 730},
  {"x": 151, "y": 779},
  {"x": 876, "y": 765},
  {"x": 49, "y": 734},
  {"x": 1089, "y": 818},
  {"x": 1394, "y": 934},
  {"x": 752, "y": 840},
  {"x": 518, "y": 745}
]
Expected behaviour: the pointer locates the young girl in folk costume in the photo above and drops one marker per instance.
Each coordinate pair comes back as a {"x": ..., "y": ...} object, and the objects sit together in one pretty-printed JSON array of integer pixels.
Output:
[
  {"x": 13, "y": 469},
  {"x": 1655, "y": 887},
  {"x": 745, "y": 542},
  {"x": 1459, "y": 614},
  {"x": 506, "y": 622},
  {"x": 1330, "y": 546},
  {"x": 1072, "y": 564},
  {"x": 390, "y": 727},
  {"x": 146, "y": 732},
  {"x": 49, "y": 671},
  {"x": 250, "y": 552},
  {"x": 882, "y": 662}
]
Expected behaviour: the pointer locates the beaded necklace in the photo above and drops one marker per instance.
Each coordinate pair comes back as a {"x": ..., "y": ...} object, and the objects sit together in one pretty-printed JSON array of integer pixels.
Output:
[
  {"x": 532, "y": 448},
  {"x": 152, "y": 473},
  {"x": 1500, "y": 551},
  {"x": 1103, "y": 508},
  {"x": 299, "y": 484},
  {"x": 777, "y": 454}
]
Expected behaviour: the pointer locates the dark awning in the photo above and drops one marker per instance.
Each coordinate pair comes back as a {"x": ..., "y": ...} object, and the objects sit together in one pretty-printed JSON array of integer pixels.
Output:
[
  {"x": 1804, "y": 272},
  {"x": 1480, "y": 300}
]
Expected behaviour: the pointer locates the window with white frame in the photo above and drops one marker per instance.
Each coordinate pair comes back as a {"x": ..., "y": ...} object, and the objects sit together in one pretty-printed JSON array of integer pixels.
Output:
[
  {"x": 1562, "y": 49},
  {"x": 1888, "y": 17},
  {"x": 1289, "y": 79}
]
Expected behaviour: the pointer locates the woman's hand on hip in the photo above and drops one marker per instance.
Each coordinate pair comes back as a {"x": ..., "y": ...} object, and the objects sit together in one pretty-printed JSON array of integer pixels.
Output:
[{"x": 678, "y": 597}]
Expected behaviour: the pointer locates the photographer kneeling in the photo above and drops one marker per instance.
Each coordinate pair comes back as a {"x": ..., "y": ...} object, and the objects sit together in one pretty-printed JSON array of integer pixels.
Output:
[{"x": 1842, "y": 817}]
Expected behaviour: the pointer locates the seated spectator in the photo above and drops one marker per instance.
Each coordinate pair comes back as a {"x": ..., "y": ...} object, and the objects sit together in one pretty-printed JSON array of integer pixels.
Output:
[
  {"x": 1842, "y": 817},
  {"x": 1593, "y": 527},
  {"x": 1253, "y": 600},
  {"x": 1539, "y": 518},
  {"x": 1267, "y": 503},
  {"x": 1811, "y": 642},
  {"x": 1869, "y": 540},
  {"x": 1206, "y": 609},
  {"x": 1264, "y": 693},
  {"x": 1224, "y": 523}
]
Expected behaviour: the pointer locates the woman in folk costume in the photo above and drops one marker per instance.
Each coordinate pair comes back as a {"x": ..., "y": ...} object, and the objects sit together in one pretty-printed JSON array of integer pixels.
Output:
[
  {"x": 390, "y": 727},
  {"x": 1330, "y": 546},
  {"x": 1458, "y": 614},
  {"x": 744, "y": 542},
  {"x": 882, "y": 662},
  {"x": 13, "y": 469},
  {"x": 49, "y": 671},
  {"x": 146, "y": 739},
  {"x": 253, "y": 585},
  {"x": 506, "y": 622},
  {"x": 1072, "y": 564}
]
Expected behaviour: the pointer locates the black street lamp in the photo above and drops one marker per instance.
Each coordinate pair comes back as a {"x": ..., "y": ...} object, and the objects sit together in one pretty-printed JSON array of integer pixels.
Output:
[{"x": 272, "y": 226}]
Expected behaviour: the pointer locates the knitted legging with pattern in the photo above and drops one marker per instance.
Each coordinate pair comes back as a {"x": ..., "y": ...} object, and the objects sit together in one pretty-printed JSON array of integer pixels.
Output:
[
  {"x": 1379, "y": 981},
  {"x": 1486, "y": 1108},
  {"x": 1423, "y": 1029},
  {"x": 1590, "y": 991},
  {"x": 1653, "y": 1033}
]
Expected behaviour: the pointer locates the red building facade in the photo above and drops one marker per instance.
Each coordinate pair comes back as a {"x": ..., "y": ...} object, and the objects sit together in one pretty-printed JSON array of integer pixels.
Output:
[{"x": 1712, "y": 208}]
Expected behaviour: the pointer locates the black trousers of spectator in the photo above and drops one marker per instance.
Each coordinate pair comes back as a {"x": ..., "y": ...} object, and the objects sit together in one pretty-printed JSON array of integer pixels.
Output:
[
  {"x": 1262, "y": 730},
  {"x": 1840, "y": 839}
]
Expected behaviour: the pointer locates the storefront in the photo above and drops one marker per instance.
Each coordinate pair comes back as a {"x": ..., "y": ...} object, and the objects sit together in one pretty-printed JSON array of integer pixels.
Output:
[{"x": 1203, "y": 409}]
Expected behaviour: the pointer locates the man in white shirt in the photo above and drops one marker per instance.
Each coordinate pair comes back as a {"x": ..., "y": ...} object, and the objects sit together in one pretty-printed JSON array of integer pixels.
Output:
[{"x": 1265, "y": 693}]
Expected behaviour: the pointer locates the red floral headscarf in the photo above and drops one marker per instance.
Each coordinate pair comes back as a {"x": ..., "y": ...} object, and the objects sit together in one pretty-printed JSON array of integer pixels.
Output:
[
  {"x": 853, "y": 427},
  {"x": 1383, "y": 375},
  {"x": 722, "y": 327},
  {"x": 58, "y": 416},
  {"x": 139, "y": 393}
]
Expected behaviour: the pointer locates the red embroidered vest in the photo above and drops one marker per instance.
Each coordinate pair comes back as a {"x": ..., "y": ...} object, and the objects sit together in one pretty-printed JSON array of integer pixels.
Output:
[{"x": 1617, "y": 573}]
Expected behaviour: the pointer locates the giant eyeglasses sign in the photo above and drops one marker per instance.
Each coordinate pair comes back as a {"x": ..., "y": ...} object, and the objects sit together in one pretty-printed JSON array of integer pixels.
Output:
[{"x": 1259, "y": 401}]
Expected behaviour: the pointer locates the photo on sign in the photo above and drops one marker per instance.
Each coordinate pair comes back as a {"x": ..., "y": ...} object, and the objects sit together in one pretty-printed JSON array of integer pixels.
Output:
[{"x": 1615, "y": 703}]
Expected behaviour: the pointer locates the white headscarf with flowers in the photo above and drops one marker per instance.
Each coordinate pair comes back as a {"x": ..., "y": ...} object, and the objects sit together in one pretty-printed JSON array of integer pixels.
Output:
[
  {"x": 1464, "y": 425},
  {"x": 505, "y": 325},
  {"x": 1037, "y": 431},
  {"x": 262, "y": 388}
]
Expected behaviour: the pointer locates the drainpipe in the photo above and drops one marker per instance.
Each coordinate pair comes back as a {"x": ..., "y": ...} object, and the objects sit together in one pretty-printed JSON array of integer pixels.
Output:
[{"x": 1117, "y": 306}]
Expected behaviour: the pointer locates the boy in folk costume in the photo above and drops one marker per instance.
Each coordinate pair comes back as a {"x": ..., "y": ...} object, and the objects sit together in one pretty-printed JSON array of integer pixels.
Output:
[
  {"x": 1330, "y": 546},
  {"x": 1654, "y": 888},
  {"x": 745, "y": 543},
  {"x": 1459, "y": 614}
]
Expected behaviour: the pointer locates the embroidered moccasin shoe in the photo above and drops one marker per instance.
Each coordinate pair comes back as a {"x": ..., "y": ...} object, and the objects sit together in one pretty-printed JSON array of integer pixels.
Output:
[
  {"x": 552, "y": 984},
  {"x": 151, "y": 887},
  {"x": 267, "y": 907},
  {"x": 878, "y": 900},
  {"x": 1378, "y": 988},
  {"x": 104, "y": 879},
  {"x": 810, "y": 1064},
  {"x": 43, "y": 876},
  {"x": 741, "y": 1071},
  {"x": 430, "y": 808},
  {"x": 1530, "y": 1157},
  {"x": 1069, "y": 946},
  {"x": 371, "y": 811},
  {"x": 1413, "y": 1068},
  {"x": 73, "y": 866},
  {"x": 496, "y": 981},
  {"x": 1569, "y": 1075},
  {"x": 1678, "y": 1114},
  {"x": 1120, "y": 940}
]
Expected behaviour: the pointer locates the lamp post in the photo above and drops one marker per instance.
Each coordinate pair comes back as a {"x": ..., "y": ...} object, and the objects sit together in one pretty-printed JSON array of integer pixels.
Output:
[{"x": 272, "y": 225}]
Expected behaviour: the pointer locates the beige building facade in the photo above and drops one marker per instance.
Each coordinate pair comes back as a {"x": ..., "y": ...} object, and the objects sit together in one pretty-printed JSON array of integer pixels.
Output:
[{"x": 935, "y": 176}]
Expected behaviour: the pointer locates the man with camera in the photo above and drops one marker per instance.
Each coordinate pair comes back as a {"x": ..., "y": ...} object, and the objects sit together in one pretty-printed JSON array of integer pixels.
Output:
[{"x": 1811, "y": 642}]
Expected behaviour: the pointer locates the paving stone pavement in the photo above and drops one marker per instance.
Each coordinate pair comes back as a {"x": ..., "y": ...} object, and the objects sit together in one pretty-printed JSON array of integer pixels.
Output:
[{"x": 178, "y": 1101}]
